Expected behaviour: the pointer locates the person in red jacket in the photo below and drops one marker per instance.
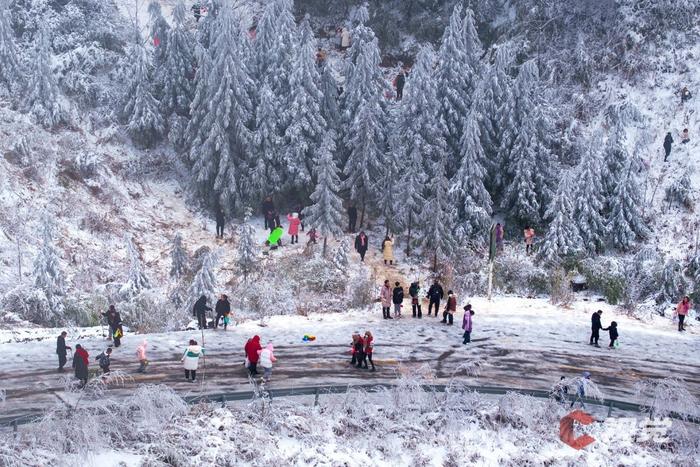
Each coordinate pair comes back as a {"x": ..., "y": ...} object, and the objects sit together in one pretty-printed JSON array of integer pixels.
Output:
[
  {"x": 682, "y": 310},
  {"x": 81, "y": 359},
  {"x": 369, "y": 348},
  {"x": 251, "y": 353}
]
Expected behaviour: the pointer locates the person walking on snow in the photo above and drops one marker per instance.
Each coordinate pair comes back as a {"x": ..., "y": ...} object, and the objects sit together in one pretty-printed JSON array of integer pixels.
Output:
[
  {"x": 435, "y": 294},
  {"x": 388, "y": 250},
  {"x": 191, "y": 360},
  {"x": 668, "y": 141},
  {"x": 294, "y": 223},
  {"x": 113, "y": 318},
  {"x": 313, "y": 236},
  {"x": 359, "y": 348},
  {"x": 200, "y": 311},
  {"x": 581, "y": 389},
  {"x": 223, "y": 309},
  {"x": 268, "y": 212},
  {"x": 467, "y": 324},
  {"x": 529, "y": 234},
  {"x": 352, "y": 217},
  {"x": 414, "y": 291},
  {"x": 266, "y": 359},
  {"x": 499, "y": 237},
  {"x": 141, "y": 356},
  {"x": 450, "y": 308},
  {"x": 252, "y": 347},
  {"x": 219, "y": 223},
  {"x": 104, "y": 361},
  {"x": 385, "y": 298},
  {"x": 400, "y": 82},
  {"x": 595, "y": 328},
  {"x": 197, "y": 11},
  {"x": 612, "y": 329},
  {"x": 81, "y": 359},
  {"x": 682, "y": 311},
  {"x": 368, "y": 349},
  {"x": 397, "y": 299},
  {"x": 61, "y": 348},
  {"x": 361, "y": 245}
]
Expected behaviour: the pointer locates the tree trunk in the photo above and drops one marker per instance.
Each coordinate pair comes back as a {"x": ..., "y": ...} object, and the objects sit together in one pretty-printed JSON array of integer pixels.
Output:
[
  {"x": 19, "y": 260},
  {"x": 435, "y": 262},
  {"x": 362, "y": 215},
  {"x": 325, "y": 242},
  {"x": 408, "y": 238}
]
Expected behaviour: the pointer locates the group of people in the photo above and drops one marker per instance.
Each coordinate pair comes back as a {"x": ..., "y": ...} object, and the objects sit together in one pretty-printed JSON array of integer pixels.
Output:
[
  {"x": 668, "y": 142},
  {"x": 222, "y": 309},
  {"x": 361, "y": 350},
  {"x": 597, "y": 326}
]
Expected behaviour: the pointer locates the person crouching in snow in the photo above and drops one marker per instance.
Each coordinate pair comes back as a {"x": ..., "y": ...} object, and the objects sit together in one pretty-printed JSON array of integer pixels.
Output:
[
  {"x": 294, "y": 223},
  {"x": 104, "y": 360},
  {"x": 612, "y": 329},
  {"x": 369, "y": 348},
  {"x": 191, "y": 360},
  {"x": 353, "y": 347},
  {"x": 266, "y": 359},
  {"x": 141, "y": 355},
  {"x": 252, "y": 347},
  {"x": 467, "y": 324}
]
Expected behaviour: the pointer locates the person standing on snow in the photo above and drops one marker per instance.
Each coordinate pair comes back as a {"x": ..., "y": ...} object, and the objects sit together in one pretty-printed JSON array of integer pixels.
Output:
[
  {"x": 344, "y": 38},
  {"x": 359, "y": 347},
  {"x": 397, "y": 299},
  {"x": 369, "y": 348},
  {"x": 595, "y": 328},
  {"x": 361, "y": 245},
  {"x": 682, "y": 311},
  {"x": 668, "y": 141},
  {"x": 81, "y": 359},
  {"x": 61, "y": 348},
  {"x": 612, "y": 329},
  {"x": 252, "y": 347},
  {"x": 352, "y": 217},
  {"x": 388, "y": 250},
  {"x": 266, "y": 359},
  {"x": 268, "y": 212},
  {"x": 294, "y": 223},
  {"x": 313, "y": 236},
  {"x": 529, "y": 234},
  {"x": 499, "y": 237},
  {"x": 220, "y": 221},
  {"x": 450, "y": 308},
  {"x": 435, "y": 294},
  {"x": 104, "y": 361},
  {"x": 113, "y": 318},
  {"x": 199, "y": 310},
  {"x": 685, "y": 136},
  {"x": 191, "y": 360},
  {"x": 223, "y": 309},
  {"x": 467, "y": 324},
  {"x": 414, "y": 291},
  {"x": 581, "y": 390},
  {"x": 385, "y": 297},
  {"x": 197, "y": 11},
  {"x": 353, "y": 347},
  {"x": 141, "y": 356},
  {"x": 400, "y": 82}
]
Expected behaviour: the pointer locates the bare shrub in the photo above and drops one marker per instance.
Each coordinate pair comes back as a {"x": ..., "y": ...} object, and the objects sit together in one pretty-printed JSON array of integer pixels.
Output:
[{"x": 667, "y": 396}]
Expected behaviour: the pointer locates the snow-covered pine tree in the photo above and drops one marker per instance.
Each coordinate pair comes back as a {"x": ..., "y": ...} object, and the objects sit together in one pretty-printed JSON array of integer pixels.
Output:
[
  {"x": 220, "y": 147},
  {"x": 10, "y": 73},
  {"x": 562, "y": 238},
  {"x": 325, "y": 214},
  {"x": 160, "y": 34},
  {"x": 340, "y": 257},
  {"x": 42, "y": 98},
  {"x": 47, "y": 271},
  {"x": 140, "y": 110},
  {"x": 199, "y": 107},
  {"x": 411, "y": 185},
  {"x": 178, "y": 68},
  {"x": 673, "y": 284},
  {"x": 590, "y": 201},
  {"x": 329, "y": 88},
  {"x": 137, "y": 280},
  {"x": 626, "y": 222},
  {"x": 246, "y": 253},
  {"x": 679, "y": 192},
  {"x": 366, "y": 140},
  {"x": 178, "y": 258},
  {"x": 457, "y": 78},
  {"x": 616, "y": 160},
  {"x": 467, "y": 186},
  {"x": 306, "y": 129},
  {"x": 265, "y": 171},
  {"x": 389, "y": 199},
  {"x": 204, "y": 282},
  {"x": 437, "y": 238}
]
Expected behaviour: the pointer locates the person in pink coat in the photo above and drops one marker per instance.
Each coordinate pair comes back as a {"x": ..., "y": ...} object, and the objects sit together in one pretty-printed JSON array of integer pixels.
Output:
[
  {"x": 385, "y": 297},
  {"x": 467, "y": 324},
  {"x": 682, "y": 310},
  {"x": 294, "y": 223},
  {"x": 141, "y": 355},
  {"x": 266, "y": 359}
]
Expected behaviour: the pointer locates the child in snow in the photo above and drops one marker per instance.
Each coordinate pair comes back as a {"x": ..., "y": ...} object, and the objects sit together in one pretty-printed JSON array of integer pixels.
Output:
[
  {"x": 414, "y": 291},
  {"x": 560, "y": 390},
  {"x": 141, "y": 355},
  {"x": 612, "y": 329},
  {"x": 353, "y": 347},
  {"x": 369, "y": 348},
  {"x": 252, "y": 347},
  {"x": 685, "y": 136},
  {"x": 397, "y": 299},
  {"x": 360, "y": 356},
  {"x": 467, "y": 324},
  {"x": 104, "y": 360},
  {"x": 191, "y": 360},
  {"x": 450, "y": 308},
  {"x": 313, "y": 235},
  {"x": 294, "y": 223},
  {"x": 266, "y": 359}
]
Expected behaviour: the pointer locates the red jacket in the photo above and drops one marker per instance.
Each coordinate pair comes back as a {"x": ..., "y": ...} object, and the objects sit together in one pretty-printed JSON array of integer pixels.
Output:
[
  {"x": 251, "y": 349},
  {"x": 83, "y": 354},
  {"x": 293, "y": 225},
  {"x": 369, "y": 345}
]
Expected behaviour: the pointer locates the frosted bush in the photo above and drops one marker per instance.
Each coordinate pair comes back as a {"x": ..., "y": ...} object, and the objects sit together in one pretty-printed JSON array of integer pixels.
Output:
[
  {"x": 518, "y": 274},
  {"x": 667, "y": 396},
  {"x": 361, "y": 288},
  {"x": 30, "y": 304},
  {"x": 149, "y": 312}
]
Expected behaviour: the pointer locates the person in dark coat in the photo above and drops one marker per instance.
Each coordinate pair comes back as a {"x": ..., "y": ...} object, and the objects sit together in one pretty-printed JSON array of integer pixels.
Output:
[
  {"x": 397, "y": 299},
  {"x": 197, "y": 11},
  {"x": 200, "y": 311},
  {"x": 359, "y": 352},
  {"x": 414, "y": 291},
  {"x": 435, "y": 294},
  {"x": 80, "y": 364},
  {"x": 104, "y": 360},
  {"x": 352, "y": 217},
  {"x": 450, "y": 308},
  {"x": 400, "y": 82},
  {"x": 667, "y": 145},
  {"x": 114, "y": 320},
  {"x": 612, "y": 329},
  {"x": 220, "y": 223},
  {"x": 61, "y": 348},
  {"x": 222, "y": 308},
  {"x": 595, "y": 327},
  {"x": 268, "y": 212},
  {"x": 361, "y": 245}
]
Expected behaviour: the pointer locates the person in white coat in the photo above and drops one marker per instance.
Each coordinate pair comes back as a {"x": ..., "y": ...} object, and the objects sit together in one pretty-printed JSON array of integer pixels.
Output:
[
  {"x": 191, "y": 360},
  {"x": 267, "y": 358}
]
